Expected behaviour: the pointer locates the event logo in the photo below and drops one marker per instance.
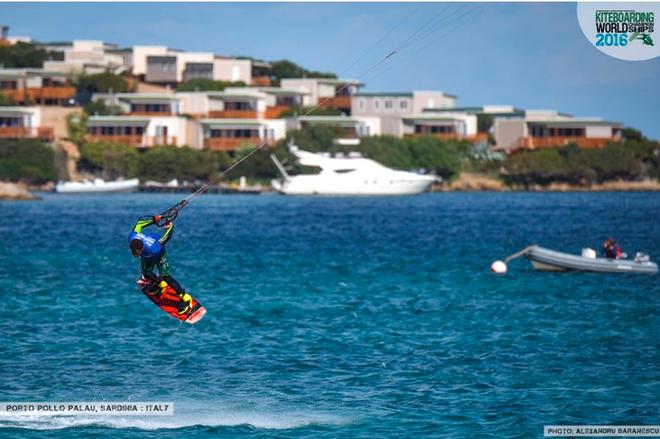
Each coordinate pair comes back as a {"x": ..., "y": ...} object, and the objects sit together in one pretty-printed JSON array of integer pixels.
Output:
[{"x": 621, "y": 30}]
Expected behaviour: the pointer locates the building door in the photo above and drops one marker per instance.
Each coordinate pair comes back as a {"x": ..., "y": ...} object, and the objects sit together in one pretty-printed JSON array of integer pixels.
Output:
[{"x": 161, "y": 135}]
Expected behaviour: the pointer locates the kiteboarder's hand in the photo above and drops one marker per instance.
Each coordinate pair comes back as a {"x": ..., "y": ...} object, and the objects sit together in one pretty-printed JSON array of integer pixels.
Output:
[
  {"x": 156, "y": 218},
  {"x": 168, "y": 224}
]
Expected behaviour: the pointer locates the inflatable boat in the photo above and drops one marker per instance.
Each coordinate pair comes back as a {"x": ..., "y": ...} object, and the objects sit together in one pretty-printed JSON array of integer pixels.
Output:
[{"x": 544, "y": 259}]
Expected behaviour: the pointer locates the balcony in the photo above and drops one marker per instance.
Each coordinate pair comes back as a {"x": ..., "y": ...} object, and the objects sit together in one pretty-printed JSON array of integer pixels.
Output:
[
  {"x": 440, "y": 136},
  {"x": 232, "y": 144},
  {"x": 339, "y": 102},
  {"x": 477, "y": 138},
  {"x": 261, "y": 81},
  {"x": 151, "y": 113},
  {"x": 233, "y": 114},
  {"x": 46, "y": 133},
  {"x": 276, "y": 111},
  {"x": 133, "y": 140},
  {"x": 161, "y": 141},
  {"x": 23, "y": 95},
  {"x": 43, "y": 133},
  {"x": 550, "y": 142}
]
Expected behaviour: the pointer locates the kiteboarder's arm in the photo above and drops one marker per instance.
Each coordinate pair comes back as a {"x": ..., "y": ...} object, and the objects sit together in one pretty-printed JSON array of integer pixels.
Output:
[
  {"x": 169, "y": 228},
  {"x": 145, "y": 223}
]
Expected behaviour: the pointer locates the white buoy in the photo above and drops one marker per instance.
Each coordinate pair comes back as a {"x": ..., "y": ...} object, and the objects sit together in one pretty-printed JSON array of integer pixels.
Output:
[{"x": 498, "y": 267}]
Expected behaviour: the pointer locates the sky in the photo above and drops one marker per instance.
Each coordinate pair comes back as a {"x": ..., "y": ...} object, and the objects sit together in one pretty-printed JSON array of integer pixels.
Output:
[{"x": 529, "y": 55}]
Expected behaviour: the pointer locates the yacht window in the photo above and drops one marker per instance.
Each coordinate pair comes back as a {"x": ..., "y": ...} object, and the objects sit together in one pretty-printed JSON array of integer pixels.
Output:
[{"x": 344, "y": 171}]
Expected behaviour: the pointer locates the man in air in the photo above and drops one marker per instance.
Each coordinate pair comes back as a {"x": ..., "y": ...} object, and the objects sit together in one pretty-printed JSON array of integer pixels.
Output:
[{"x": 151, "y": 250}]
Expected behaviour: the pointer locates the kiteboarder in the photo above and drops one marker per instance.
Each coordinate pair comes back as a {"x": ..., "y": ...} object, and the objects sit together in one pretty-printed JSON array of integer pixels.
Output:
[{"x": 150, "y": 247}]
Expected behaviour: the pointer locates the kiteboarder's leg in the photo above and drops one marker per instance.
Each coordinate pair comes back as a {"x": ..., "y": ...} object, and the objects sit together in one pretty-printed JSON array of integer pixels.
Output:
[
  {"x": 147, "y": 266},
  {"x": 164, "y": 269},
  {"x": 152, "y": 281}
]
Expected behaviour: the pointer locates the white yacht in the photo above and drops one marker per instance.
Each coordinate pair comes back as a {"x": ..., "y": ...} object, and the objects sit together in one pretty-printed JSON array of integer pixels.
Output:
[
  {"x": 96, "y": 186},
  {"x": 348, "y": 175}
]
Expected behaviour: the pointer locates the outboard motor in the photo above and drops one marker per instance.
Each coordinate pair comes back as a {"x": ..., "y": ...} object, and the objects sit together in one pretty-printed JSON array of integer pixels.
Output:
[{"x": 642, "y": 257}]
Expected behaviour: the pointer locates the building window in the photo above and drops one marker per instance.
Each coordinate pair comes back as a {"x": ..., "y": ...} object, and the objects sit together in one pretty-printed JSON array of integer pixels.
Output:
[
  {"x": 388, "y": 104},
  {"x": 376, "y": 104},
  {"x": 403, "y": 104},
  {"x": 361, "y": 104},
  {"x": 434, "y": 129},
  {"x": 239, "y": 106},
  {"x": 234, "y": 133}
]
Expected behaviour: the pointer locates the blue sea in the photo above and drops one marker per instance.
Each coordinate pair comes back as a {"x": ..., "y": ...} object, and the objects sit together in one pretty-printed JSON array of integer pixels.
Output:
[{"x": 331, "y": 317}]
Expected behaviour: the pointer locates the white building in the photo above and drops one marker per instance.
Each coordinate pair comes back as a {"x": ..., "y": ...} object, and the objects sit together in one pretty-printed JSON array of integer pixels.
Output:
[
  {"x": 160, "y": 64},
  {"x": 36, "y": 86},
  {"x": 232, "y": 103},
  {"x": 144, "y": 131},
  {"x": 233, "y": 134},
  {"x": 90, "y": 56},
  {"x": 445, "y": 126},
  {"x": 325, "y": 92},
  {"x": 549, "y": 128},
  {"x": 23, "y": 123},
  {"x": 392, "y": 107}
]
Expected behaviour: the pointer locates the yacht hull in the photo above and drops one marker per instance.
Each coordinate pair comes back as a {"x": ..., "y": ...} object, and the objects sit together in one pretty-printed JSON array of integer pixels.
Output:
[{"x": 313, "y": 185}]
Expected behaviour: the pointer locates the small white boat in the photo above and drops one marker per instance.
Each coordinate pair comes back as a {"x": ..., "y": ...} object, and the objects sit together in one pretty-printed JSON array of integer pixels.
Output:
[
  {"x": 348, "y": 175},
  {"x": 96, "y": 186}
]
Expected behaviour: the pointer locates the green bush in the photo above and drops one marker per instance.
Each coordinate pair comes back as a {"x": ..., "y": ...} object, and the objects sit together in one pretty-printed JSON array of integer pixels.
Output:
[
  {"x": 160, "y": 163},
  {"x": 310, "y": 111},
  {"x": 101, "y": 83},
  {"x": 6, "y": 101},
  {"x": 113, "y": 160},
  {"x": 100, "y": 108},
  {"x": 201, "y": 84},
  {"x": 443, "y": 158},
  {"x": 571, "y": 164},
  {"x": 163, "y": 163},
  {"x": 27, "y": 160},
  {"x": 288, "y": 69}
]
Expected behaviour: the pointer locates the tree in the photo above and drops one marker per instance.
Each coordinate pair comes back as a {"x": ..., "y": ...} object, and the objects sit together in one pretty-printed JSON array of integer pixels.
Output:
[
  {"x": 25, "y": 55},
  {"x": 288, "y": 69},
  {"x": 111, "y": 159},
  {"x": 27, "y": 160},
  {"x": 98, "y": 107},
  {"x": 631, "y": 134},
  {"x": 106, "y": 82},
  {"x": 484, "y": 122},
  {"x": 76, "y": 127},
  {"x": 313, "y": 138},
  {"x": 163, "y": 163},
  {"x": 441, "y": 157},
  {"x": 6, "y": 101}
]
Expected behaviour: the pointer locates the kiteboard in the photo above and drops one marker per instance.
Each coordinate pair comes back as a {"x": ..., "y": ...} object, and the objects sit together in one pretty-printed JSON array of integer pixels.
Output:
[{"x": 166, "y": 299}]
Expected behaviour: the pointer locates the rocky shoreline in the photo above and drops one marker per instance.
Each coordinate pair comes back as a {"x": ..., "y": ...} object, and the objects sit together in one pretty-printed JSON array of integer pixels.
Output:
[
  {"x": 469, "y": 182},
  {"x": 15, "y": 192}
]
